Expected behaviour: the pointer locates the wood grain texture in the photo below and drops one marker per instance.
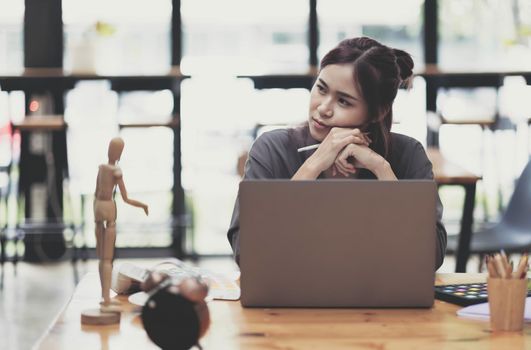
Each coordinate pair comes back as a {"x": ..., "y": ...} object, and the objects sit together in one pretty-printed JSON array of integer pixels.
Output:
[{"x": 236, "y": 328}]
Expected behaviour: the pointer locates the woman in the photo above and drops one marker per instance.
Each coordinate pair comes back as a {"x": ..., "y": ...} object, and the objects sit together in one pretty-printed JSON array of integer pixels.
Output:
[{"x": 350, "y": 117}]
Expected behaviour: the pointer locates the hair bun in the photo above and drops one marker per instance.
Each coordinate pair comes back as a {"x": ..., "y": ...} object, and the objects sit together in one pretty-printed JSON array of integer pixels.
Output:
[{"x": 405, "y": 66}]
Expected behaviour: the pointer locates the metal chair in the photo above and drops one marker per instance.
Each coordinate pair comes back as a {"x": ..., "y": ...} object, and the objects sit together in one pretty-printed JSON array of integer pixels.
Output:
[{"x": 513, "y": 232}]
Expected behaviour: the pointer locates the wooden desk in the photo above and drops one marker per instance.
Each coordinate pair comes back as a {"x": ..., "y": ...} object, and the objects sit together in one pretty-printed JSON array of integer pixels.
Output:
[
  {"x": 447, "y": 173},
  {"x": 234, "y": 327}
]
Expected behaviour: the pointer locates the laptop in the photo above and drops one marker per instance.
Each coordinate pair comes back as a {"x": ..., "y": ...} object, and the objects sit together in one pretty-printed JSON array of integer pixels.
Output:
[{"x": 337, "y": 243}]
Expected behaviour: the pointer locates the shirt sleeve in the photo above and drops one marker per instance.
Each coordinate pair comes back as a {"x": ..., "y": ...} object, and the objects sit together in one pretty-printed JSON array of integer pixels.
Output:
[
  {"x": 259, "y": 165},
  {"x": 420, "y": 167}
]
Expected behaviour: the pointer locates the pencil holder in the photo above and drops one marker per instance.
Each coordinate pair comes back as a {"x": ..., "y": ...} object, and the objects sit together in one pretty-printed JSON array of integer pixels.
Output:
[{"x": 507, "y": 303}]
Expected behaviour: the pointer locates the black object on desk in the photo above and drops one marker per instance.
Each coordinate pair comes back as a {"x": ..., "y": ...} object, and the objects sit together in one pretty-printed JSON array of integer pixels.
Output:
[
  {"x": 171, "y": 321},
  {"x": 176, "y": 315}
]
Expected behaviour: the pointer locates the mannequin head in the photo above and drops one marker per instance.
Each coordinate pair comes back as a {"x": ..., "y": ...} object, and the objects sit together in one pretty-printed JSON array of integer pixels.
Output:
[{"x": 116, "y": 147}]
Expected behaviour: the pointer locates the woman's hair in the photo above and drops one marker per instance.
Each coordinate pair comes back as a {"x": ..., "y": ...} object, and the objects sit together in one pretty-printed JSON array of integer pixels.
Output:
[{"x": 378, "y": 72}]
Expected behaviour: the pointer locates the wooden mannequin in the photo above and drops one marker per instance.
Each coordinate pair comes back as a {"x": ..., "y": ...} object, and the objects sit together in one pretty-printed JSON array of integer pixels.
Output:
[{"x": 109, "y": 176}]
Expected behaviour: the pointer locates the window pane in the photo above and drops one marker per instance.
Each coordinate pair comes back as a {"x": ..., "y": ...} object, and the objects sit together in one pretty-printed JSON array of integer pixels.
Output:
[
  {"x": 11, "y": 35},
  {"x": 92, "y": 112},
  {"x": 477, "y": 34},
  {"x": 118, "y": 36},
  {"x": 219, "y": 117},
  {"x": 394, "y": 23},
  {"x": 244, "y": 36}
]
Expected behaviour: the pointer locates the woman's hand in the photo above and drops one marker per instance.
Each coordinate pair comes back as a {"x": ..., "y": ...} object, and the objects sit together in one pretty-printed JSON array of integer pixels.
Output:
[
  {"x": 333, "y": 143},
  {"x": 325, "y": 156},
  {"x": 363, "y": 157}
]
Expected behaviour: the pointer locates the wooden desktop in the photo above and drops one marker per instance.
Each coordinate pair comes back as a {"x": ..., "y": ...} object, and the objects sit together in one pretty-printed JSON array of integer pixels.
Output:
[{"x": 234, "y": 327}]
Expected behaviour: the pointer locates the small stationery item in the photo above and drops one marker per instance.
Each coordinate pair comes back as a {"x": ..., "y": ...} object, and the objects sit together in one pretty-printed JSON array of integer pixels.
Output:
[
  {"x": 507, "y": 291},
  {"x": 466, "y": 294},
  {"x": 463, "y": 294},
  {"x": 308, "y": 148}
]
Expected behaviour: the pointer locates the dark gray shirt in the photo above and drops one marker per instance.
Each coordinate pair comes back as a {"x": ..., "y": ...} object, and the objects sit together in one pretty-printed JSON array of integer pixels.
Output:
[{"x": 274, "y": 156}]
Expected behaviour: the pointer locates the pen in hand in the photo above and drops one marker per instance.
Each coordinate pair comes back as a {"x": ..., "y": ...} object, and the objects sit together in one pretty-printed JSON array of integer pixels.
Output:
[{"x": 308, "y": 148}]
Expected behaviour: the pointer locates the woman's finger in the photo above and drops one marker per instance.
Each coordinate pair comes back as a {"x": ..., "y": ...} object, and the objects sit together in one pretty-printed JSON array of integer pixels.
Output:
[
  {"x": 362, "y": 136},
  {"x": 345, "y": 171},
  {"x": 367, "y": 137},
  {"x": 361, "y": 141},
  {"x": 344, "y": 163},
  {"x": 348, "y": 157},
  {"x": 342, "y": 172},
  {"x": 339, "y": 144},
  {"x": 342, "y": 160},
  {"x": 339, "y": 134},
  {"x": 344, "y": 132}
]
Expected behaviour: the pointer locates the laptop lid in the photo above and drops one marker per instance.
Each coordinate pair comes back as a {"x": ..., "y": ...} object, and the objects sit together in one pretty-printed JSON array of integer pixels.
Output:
[{"x": 337, "y": 243}]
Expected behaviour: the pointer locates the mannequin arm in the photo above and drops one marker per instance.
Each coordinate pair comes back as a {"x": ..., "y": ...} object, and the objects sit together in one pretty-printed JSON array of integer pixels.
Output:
[{"x": 129, "y": 201}]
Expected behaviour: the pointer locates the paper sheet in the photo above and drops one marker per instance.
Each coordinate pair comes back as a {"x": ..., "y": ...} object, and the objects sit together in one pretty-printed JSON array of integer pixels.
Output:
[{"x": 482, "y": 311}]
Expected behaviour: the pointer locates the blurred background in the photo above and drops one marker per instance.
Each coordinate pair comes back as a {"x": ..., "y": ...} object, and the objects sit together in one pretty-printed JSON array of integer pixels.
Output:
[
  {"x": 220, "y": 69},
  {"x": 189, "y": 84}
]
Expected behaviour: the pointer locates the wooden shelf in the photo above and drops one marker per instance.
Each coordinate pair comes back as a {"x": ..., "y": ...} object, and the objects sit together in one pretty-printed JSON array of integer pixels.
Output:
[
  {"x": 171, "y": 124},
  {"x": 448, "y": 173},
  {"x": 41, "y": 123}
]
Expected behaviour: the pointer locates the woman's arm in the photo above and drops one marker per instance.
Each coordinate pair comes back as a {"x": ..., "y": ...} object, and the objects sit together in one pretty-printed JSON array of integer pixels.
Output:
[
  {"x": 254, "y": 169},
  {"x": 420, "y": 167},
  {"x": 259, "y": 165}
]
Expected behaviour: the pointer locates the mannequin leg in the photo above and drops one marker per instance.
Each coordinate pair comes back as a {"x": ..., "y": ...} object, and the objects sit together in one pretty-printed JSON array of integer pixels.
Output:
[
  {"x": 100, "y": 232},
  {"x": 106, "y": 260}
]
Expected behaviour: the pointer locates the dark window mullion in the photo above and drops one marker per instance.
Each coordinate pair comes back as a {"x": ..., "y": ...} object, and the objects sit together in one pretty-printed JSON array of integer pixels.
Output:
[
  {"x": 176, "y": 33},
  {"x": 313, "y": 34},
  {"x": 430, "y": 32},
  {"x": 43, "y": 34}
]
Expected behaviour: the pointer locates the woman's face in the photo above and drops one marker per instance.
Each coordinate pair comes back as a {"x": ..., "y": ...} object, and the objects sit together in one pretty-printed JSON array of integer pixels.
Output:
[{"x": 335, "y": 101}]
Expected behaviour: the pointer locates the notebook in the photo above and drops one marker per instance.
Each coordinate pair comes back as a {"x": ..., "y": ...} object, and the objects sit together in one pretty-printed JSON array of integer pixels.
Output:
[{"x": 337, "y": 243}]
